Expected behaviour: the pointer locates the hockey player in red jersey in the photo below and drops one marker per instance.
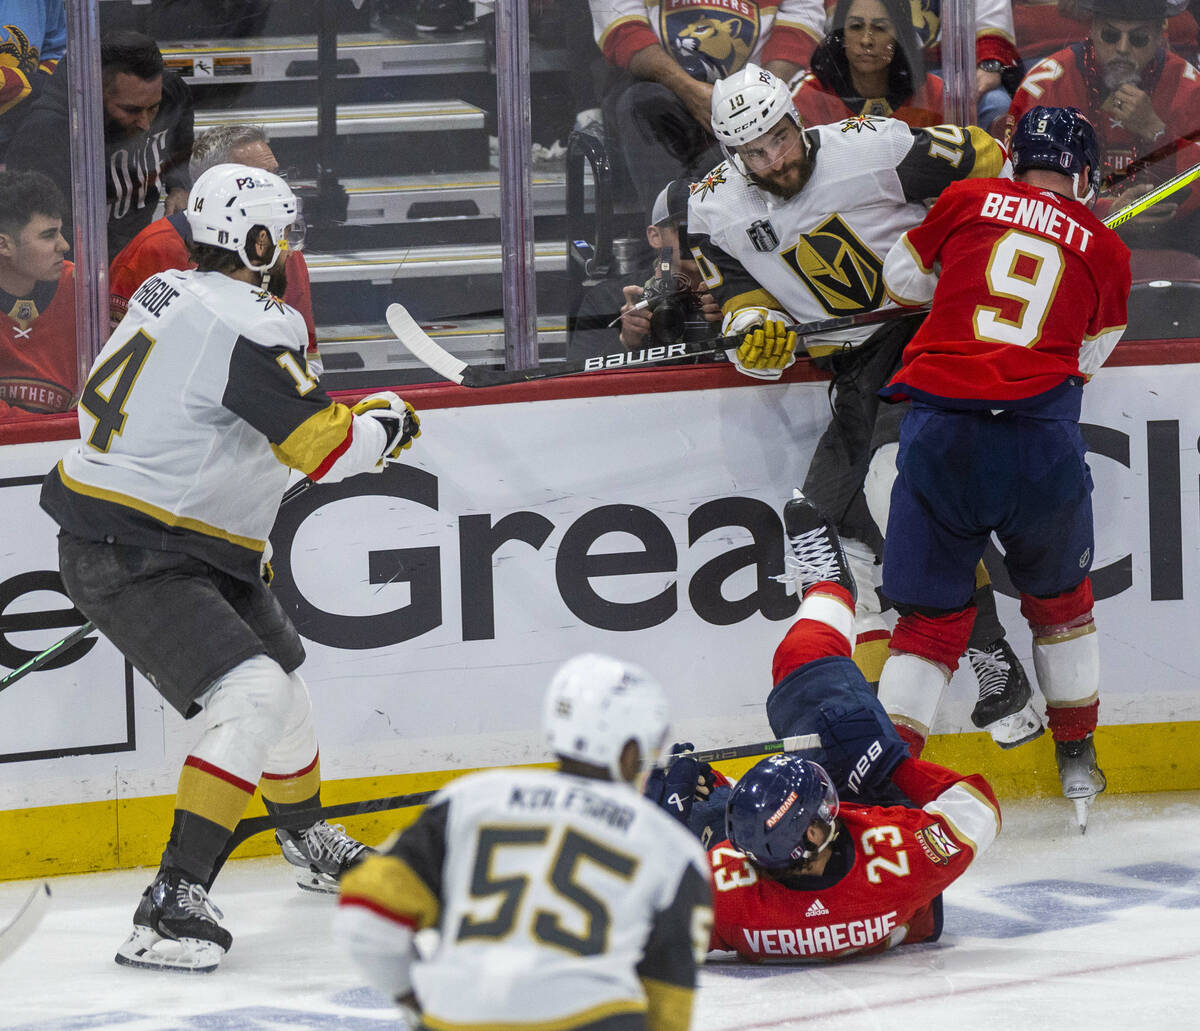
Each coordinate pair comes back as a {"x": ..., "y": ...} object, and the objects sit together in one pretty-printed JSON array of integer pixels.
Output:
[
  {"x": 802, "y": 875},
  {"x": 39, "y": 370},
  {"x": 1029, "y": 303}
]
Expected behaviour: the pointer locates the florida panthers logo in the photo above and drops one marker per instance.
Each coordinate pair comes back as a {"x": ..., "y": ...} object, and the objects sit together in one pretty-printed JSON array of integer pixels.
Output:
[
  {"x": 927, "y": 20},
  {"x": 709, "y": 43},
  {"x": 842, "y": 272}
]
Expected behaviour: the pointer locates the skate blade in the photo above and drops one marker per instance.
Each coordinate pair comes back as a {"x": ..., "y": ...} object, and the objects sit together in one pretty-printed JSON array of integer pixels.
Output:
[
  {"x": 1081, "y": 812},
  {"x": 1017, "y": 729},
  {"x": 317, "y": 883},
  {"x": 148, "y": 950}
]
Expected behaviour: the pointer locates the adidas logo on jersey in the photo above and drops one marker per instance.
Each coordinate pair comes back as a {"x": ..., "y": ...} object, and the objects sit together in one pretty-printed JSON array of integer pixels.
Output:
[{"x": 816, "y": 909}]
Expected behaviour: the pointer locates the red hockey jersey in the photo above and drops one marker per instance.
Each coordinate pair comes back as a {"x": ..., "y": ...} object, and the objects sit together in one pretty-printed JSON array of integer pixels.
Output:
[
  {"x": 881, "y": 886},
  {"x": 39, "y": 370},
  {"x": 1032, "y": 290}
]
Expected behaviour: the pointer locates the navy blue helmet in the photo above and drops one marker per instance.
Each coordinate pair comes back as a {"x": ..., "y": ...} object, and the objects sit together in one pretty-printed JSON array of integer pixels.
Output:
[
  {"x": 772, "y": 807},
  {"x": 1059, "y": 139}
]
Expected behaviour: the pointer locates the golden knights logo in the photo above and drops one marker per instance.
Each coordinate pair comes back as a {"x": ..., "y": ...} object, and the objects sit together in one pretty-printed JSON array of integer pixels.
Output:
[
  {"x": 858, "y": 123},
  {"x": 705, "y": 185},
  {"x": 842, "y": 272},
  {"x": 268, "y": 300},
  {"x": 709, "y": 40}
]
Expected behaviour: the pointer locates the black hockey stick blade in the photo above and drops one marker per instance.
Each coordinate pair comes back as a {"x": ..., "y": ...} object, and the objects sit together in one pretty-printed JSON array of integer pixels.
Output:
[
  {"x": 25, "y": 922},
  {"x": 298, "y": 819},
  {"x": 301, "y": 818},
  {"x": 441, "y": 361}
]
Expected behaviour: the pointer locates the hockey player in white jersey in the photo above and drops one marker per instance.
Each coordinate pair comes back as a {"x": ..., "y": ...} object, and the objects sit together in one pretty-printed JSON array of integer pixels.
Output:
[
  {"x": 793, "y": 227},
  {"x": 194, "y": 412},
  {"x": 563, "y": 898}
]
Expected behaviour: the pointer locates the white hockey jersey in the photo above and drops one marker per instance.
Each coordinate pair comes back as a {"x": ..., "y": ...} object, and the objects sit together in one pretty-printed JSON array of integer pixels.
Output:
[
  {"x": 562, "y": 902},
  {"x": 819, "y": 255},
  {"x": 192, "y": 413}
]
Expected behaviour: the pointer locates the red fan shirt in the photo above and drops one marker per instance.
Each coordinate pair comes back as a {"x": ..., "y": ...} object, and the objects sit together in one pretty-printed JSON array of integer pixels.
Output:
[{"x": 39, "y": 370}]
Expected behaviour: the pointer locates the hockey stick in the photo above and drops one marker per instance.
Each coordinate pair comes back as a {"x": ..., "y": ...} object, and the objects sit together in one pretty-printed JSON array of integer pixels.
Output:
[
  {"x": 301, "y": 818},
  {"x": 441, "y": 361},
  {"x": 23, "y": 924},
  {"x": 77, "y": 635},
  {"x": 1172, "y": 185}
]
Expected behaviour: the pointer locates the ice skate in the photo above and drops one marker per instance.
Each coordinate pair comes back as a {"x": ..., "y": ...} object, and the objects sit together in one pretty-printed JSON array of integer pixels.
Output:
[
  {"x": 1082, "y": 779},
  {"x": 816, "y": 550},
  {"x": 175, "y": 928},
  {"x": 1005, "y": 707},
  {"x": 321, "y": 854}
]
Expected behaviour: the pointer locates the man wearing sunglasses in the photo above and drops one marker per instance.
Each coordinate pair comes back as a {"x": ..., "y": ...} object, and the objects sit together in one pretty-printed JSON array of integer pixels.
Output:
[{"x": 1144, "y": 101}]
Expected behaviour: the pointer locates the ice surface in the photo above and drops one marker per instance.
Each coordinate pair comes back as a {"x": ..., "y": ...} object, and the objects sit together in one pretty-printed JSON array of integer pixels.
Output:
[{"x": 1050, "y": 929}]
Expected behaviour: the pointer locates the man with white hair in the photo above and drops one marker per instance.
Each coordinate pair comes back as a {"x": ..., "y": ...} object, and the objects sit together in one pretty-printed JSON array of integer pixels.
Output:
[
  {"x": 165, "y": 243},
  {"x": 564, "y": 899}
]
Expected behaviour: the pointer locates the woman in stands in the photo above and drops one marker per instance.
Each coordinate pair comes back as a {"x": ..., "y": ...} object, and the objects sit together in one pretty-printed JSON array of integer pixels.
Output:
[{"x": 870, "y": 64}]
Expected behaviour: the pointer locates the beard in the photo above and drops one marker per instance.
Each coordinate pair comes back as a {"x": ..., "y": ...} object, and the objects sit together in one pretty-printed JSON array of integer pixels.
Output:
[
  {"x": 1117, "y": 73},
  {"x": 277, "y": 279}
]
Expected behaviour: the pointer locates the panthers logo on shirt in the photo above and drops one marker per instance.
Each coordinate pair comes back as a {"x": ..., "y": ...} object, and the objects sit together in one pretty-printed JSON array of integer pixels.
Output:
[
  {"x": 710, "y": 41},
  {"x": 842, "y": 272}
]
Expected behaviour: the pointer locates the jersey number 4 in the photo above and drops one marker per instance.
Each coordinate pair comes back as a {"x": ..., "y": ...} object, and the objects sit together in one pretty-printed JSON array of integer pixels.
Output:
[
  {"x": 108, "y": 387},
  {"x": 581, "y": 906}
]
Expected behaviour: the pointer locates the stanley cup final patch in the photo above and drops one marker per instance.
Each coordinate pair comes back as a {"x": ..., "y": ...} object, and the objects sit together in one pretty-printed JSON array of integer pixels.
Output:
[{"x": 762, "y": 234}]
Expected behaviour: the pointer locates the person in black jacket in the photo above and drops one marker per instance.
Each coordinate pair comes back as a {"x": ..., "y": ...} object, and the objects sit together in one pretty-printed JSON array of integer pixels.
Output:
[{"x": 148, "y": 128}]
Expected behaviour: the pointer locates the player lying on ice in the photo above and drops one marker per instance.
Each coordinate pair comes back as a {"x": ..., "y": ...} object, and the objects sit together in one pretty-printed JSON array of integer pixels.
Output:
[{"x": 800, "y": 874}]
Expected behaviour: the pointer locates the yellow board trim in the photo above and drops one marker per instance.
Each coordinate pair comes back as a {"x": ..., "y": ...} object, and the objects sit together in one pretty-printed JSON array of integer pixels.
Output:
[{"x": 120, "y": 834}]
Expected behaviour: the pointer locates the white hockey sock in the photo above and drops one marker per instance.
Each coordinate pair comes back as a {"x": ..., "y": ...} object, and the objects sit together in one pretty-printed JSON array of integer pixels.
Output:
[
  {"x": 1068, "y": 666},
  {"x": 910, "y": 690}
]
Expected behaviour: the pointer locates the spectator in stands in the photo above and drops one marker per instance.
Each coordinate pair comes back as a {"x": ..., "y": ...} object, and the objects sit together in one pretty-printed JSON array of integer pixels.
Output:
[
  {"x": 1143, "y": 100},
  {"x": 33, "y": 37},
  {"x": 593, "y": 333},
  {"x": 147, "y": 136},
  {"x": 39, "y": 370},
  {"x": 870, "y": 64},
  {"x": 1044, "y": 26},
  {"x": 998, "y": 65},
  {"x": 658, "y": 110},
  {"x": 166, "y": 243}
]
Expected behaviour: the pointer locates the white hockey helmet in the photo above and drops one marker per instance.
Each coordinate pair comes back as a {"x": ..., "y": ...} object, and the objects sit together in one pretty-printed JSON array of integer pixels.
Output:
[
  {"x": 228, "y": 201},
  {"x": 748, "y": 104},
  {"x": 595, "y": 704}
]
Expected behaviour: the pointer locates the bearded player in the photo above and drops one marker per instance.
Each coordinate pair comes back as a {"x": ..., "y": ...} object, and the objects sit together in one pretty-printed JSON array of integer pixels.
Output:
[{"x": 793, "y": 227}]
